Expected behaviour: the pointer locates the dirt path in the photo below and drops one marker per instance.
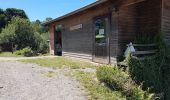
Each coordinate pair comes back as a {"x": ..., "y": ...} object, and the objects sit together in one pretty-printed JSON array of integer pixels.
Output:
[{"x": 20, "y": 81}]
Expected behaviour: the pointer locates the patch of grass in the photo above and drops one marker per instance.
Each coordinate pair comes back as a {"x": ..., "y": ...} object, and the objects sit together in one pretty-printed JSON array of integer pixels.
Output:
[
  {"x": 121, "y": 81},
  {"x": 60, "y": 62},
  {"x": 96, "y": 90},
  {"x": 50, "y": 74},
  {"x": 46, "y": 54},
  {"x": 9, "y": 54}
]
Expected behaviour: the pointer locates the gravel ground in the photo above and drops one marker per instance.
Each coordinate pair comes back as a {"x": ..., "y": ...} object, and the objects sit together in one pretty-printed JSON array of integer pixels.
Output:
[{"x": 19, "y": 81}]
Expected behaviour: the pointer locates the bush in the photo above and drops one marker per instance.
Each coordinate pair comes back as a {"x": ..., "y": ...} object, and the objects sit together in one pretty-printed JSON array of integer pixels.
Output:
[
  {"x": 153, "y": 71},
  {"x": 44, "y": 46},
  {"x": 20, "y": 32},
  {"x": 146, "y": 71},
  {"x": 25, "y": 52},
  {"x": 116, "y": 79}
]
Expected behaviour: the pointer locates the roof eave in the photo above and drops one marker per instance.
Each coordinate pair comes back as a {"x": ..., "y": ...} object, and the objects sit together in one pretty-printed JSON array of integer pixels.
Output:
[{"x": 76, "y": 11}]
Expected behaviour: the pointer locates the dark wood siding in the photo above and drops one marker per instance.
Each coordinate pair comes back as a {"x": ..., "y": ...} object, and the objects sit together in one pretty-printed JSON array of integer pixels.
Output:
[
  {"x": 138, "y": 18},
  {"x": 129, "y": 19},
  {"x": 126, "y": 26},
  {"x": 166, "y": 19},
  {"x": 149, "y": 17},
  {"x": 81, "y": 40}
]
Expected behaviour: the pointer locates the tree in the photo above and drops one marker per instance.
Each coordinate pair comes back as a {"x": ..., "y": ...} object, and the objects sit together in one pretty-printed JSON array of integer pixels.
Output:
[
  {"x": 48, "y": 19},
  {"x": 8, "y": 14},
  {"x": 38, "y": 21},
  {"x": 38, "y": 27},
  {"x": 2, "y": 19},
  {"x": 19, "y": 32},
  {"x": 13, "y": 12},
  {"x": 42, "y": 36}
]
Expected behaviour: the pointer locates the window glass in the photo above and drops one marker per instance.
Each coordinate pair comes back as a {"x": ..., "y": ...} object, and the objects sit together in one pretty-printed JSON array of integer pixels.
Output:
[{"x": 100, "y": 29}]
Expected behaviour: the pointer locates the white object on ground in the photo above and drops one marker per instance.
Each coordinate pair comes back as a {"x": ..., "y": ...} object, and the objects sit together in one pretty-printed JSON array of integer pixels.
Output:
[{"x": 130, "y": 49}]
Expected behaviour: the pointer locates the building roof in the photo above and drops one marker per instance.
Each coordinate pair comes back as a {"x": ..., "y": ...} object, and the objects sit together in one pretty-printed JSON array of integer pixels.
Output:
[{"x": 76, "y": 11}]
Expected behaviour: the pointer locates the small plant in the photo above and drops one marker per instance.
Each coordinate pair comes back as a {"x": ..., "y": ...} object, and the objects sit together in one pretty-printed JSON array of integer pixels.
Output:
[
  {"x": 50, "y": 74},
  {"x": 25, "y": 52},
  {"x": 118, "y": 80},
  {"x": 97, "y": 91}
]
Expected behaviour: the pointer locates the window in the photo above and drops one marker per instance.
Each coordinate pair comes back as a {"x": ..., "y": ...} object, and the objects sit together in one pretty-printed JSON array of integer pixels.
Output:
[{"x": 100, "y": 33}]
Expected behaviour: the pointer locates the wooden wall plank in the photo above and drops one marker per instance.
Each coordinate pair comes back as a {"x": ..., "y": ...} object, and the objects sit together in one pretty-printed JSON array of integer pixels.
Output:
[{"x": 166, "y": 19}]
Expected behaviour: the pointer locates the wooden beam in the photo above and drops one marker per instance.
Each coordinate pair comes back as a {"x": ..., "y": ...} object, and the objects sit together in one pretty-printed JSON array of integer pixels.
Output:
[
  {"x": 144, "y": 52},
  {"x": 123, "y": 3},
  {"x": 144, "y": 45},
  {"x": 134, "y": 2}
]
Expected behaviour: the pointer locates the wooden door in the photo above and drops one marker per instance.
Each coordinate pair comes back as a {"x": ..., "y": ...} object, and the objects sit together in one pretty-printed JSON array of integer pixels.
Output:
[{"x": 101, "y": 41}]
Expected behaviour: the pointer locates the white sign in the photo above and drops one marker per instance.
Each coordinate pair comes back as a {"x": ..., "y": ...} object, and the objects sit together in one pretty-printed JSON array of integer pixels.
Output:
[
  {"x": 101, "y": 31},
  {"x": 76, "y": 27}
]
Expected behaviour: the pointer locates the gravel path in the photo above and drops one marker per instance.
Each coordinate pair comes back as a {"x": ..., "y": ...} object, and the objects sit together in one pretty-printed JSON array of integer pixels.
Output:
[{"x": 20, "y": 81}]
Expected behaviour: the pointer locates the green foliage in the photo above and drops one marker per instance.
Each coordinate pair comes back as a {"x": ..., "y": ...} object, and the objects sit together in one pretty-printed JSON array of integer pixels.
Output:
[
  {"x": 21, "y": 32},
  {"x": 121, "y": 81},
  {"x": 7, "y": 15},
  {"x": 48, "y": 19},
  {"x": 13, "y": 12},
  {"x": 38, "y": 27},
  {"x": 154, "y": 71},
  {"x": 95, "y": 89},
  {"x": 8, "y": 34},
  {"x": 44, "y": 46},
  {"x": 147, "y": 71},
  {"x": 25, "y": 52},
  {"x": 9, "y": 54},
  {"x": 17, "y": 29},
  {"x": 41, "y": 35},
  {"x": 2, "y": 19}
]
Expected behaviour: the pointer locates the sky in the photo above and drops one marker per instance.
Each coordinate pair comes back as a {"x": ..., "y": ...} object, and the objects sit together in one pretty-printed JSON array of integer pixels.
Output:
[{"x": 41, "y": 9}]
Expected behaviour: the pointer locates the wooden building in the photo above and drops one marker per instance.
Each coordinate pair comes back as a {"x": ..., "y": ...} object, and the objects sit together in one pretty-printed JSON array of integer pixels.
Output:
[{"x": 101, "y": 30}]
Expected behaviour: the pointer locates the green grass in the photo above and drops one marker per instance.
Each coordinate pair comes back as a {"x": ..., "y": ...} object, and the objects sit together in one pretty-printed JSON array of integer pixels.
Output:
[
  {"x": 50, "y": 74},
  {"x": 95, "y": 89},
  {"x": 60, "y": 62},
  {"x": 9, "y": 54},
  {"x": 47, "y": 54}
]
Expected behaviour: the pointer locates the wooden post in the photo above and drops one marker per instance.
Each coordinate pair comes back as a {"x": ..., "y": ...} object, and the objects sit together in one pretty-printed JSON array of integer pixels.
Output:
[
  {"x": 12, "y": 47},
  {"x": 49, "y": 45}
]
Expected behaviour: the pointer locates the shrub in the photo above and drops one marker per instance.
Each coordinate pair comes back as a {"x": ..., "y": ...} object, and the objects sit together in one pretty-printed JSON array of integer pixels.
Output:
[
  {"x": 25, "y": 52},
  {"x": 20, "y": 32},
  {"x": 44, "y": 46},
  {"x": 116, "y": 79},
  {"x": 146, "y": 71},
  {"x": 154, "y": 71}
]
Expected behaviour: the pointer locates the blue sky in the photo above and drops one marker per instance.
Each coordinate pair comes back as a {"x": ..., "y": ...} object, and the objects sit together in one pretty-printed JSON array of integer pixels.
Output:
[{"x": 40, "y": 9}]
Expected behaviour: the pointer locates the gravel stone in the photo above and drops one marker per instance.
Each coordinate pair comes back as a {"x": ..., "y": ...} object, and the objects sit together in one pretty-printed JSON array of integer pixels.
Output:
[{"x": 21, "y": 81}]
